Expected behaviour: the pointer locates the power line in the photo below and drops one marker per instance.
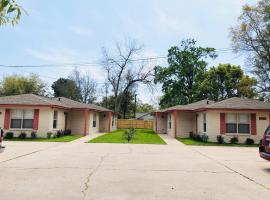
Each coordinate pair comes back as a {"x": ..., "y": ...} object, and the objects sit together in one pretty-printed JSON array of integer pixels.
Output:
[{"x": 81, "y": 64}]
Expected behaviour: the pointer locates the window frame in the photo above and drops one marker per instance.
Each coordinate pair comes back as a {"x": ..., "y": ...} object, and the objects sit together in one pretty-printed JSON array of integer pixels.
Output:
[
  {"x": 94, "y": 120},
  {"x": 237, "y": 124},
  {"x": 204, "y": 123},
  {"x": 22, "y": 119},
  {"x": 170, "y": 121},
  {"x": 55, "y": 119}
]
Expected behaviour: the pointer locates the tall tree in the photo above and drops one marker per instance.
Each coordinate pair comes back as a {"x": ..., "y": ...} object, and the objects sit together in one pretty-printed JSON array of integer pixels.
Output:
[
  {"x": 66, "y": 88},
  {"x": 182, "y": 78},
  {"x": 226, "y": 81},
  {"x": 10, "y": 12},
  {"x": 122, "y": 72},
  {"x": 86, "y": 85},
  {"x": 15, "y": 84},
  {"x": 252, "y": 36}
]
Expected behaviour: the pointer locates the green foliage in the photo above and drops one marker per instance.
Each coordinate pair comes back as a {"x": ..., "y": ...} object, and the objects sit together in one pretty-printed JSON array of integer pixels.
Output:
[
  {"x": 49, "y": 135},
  {"x": 66, "y": 88},
  {"x": 129, "y": 134},
  {"x": 10, "y": 12},
  {"x": 145, "y": 107},
  {"x": 204, "y": 137},
  {"x": 33, "y": 135},
  {"x": 22, "y": 136},
  {"x": 226, "y": 81},
  {"x": 252, "y": 36},
  {"x": 9, "y": 135},
  {"x": 220, "y": 139},
  {"x": 249, "y": 141},
  {"x": 234, "y": 140},
  {"x": 186, "y": 71},
  {"x": 199, "y": 137},
  {"x": 15, "y": 84}
]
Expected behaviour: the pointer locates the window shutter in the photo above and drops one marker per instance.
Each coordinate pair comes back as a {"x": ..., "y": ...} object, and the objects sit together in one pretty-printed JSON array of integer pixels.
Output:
[
  {"x": 222, "y": 123},
  {"x": 7, "y": 119},
  {"x": 253, "y": 124},
  {"x": 36, "y": 119}
]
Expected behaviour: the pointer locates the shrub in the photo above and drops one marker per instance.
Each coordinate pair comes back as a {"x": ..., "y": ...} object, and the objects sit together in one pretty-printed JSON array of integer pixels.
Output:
[
  {"x": 9, "y": 135},
  {"x": 67, "y": 132},
  {"x": 234, "y": 140},
  {"x": 59, "y": 133},
  {"x": 198, "y": 137},
  {"x": 49, "y": 135},
  {"x": 191, "y": 135},
  {"x": 220, "y": 139},
  {"x": 204, "y": 137},
  {"x": 129, "y": 134},
  {"x": 22, "y": 136},
  {"x": 33, "y": 135},
  {"x": 249, "y": 141}
]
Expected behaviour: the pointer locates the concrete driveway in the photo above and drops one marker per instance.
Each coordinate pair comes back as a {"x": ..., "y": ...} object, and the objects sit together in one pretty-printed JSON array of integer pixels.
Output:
[{"x": 77, "y": 170}]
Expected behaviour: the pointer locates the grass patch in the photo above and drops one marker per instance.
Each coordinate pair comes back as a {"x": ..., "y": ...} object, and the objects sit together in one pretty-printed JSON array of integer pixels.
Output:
[
  {"x": 143, "y": 136},
  {"x": 67, "y": 138},
  {"x": 188, "y": 141}
]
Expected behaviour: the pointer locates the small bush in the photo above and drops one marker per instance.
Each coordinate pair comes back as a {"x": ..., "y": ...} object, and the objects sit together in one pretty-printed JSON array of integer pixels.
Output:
[
  {"x": 204, "y": 137},
  {"x": 59, "y": 133},
  {"x": 33, "y": 135},
  {"x": 198, "y": 137},
  {"x": 54, "y": 135},
  {"x": 220, "y": 139},
  {"x": 249, "y": 141},
  {"x": 129, "y": 134},
  {"x": 191, "y": 135},
  {"x": 67, "y": 132},
  {"x": 49, "y": 135},
  {"x": 9, "y": 135},
  {"x": 22, "y": 136},
  {"x": 234, "y": 140}
]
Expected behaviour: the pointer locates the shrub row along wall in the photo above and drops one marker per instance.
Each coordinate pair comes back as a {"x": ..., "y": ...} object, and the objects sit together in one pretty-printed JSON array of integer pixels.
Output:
[{"x": 133, "y": 123}]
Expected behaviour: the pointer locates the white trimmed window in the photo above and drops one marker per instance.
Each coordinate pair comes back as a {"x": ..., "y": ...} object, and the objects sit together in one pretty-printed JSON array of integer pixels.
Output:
[
  {"x": 204, "y": 122},
  {"x": 55, "y": 119},
  {"x": 237, "y": 123},
  {"x": 95, "y": 120},
  {"x": 22, "y": 119},
  {"x": 170, "y": 121}
]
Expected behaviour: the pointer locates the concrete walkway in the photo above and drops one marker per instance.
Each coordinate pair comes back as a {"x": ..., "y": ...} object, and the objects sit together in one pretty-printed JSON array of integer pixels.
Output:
[
  {"x": 170, "y": 140},
  {"x": 86, "y": 171}
]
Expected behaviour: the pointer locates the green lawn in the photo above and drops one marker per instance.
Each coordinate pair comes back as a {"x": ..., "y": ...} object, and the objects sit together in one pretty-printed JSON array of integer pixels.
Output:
[
  {"x": 67, "y": 138},
  {"x": 143, "y": 136},
  {"x": 189, "y": 141}
]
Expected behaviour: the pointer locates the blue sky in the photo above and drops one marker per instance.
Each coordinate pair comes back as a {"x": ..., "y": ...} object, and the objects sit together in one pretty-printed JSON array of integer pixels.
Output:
[{"x": 65, "y": 31}]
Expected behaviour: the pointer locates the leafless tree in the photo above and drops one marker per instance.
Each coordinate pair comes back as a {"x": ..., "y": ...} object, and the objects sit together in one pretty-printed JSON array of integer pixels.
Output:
[
  {"x": 86, "y": 84},
  {"x": 124, "y": 70}
]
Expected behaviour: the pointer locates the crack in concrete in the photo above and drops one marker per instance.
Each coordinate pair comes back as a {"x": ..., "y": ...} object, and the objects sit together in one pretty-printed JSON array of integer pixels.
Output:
[
  {"x": 233, "y": 170},
  {"x": 86, "y": 183}
]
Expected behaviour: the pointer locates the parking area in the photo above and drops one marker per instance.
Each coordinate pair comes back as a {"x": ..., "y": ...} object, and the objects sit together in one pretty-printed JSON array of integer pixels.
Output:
[{"x": 79, "y": 170}]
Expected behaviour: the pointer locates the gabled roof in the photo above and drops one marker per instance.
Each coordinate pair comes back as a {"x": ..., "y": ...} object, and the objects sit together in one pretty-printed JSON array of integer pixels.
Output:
[
  {"x": 240, "y": 103},
  {"x": 191, "y": 106},
  {"x": 231, "y": 103},
  {"x": 35, "y": 100}
]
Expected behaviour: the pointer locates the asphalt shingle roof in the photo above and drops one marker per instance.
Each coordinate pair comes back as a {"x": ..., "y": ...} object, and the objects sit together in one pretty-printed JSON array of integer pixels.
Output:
[
  {"x": 231, "y": 103},
  {"x": 32, "y": 99}
]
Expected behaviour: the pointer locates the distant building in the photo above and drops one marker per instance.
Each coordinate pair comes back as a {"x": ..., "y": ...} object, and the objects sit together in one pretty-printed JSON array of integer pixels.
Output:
[{"x": 144, "y": 116}]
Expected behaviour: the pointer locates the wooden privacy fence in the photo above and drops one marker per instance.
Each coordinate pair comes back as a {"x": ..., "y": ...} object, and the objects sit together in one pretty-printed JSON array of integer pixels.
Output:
[{"x": 134, "y": 123}]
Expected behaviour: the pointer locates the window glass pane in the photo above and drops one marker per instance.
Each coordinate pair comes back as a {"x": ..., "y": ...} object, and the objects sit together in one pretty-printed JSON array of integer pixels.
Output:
[
  {"x": 28, "y": 123},
  {"x": 54, "y": 123},
  {"x": 16, "y": 114},
  {"x": 231, "y": 118},
  {"x": 94, "y": 123},
  {"x": 231, "y": 128},
  {"x": 204, "y": 118},
  {"x": 28, "y": 114},
  {"x": 55, "y": 114},
  {"x": 95, "y": 117},
  {"x": 16, "y": 123},
  {"x": 243, "y": 118},
  {"x": 243, "y": 128}
]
